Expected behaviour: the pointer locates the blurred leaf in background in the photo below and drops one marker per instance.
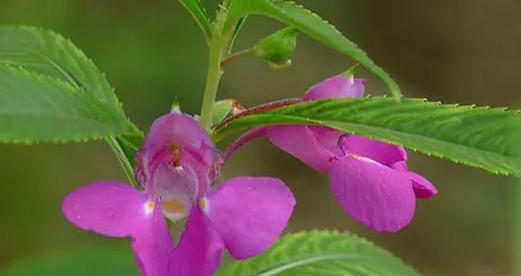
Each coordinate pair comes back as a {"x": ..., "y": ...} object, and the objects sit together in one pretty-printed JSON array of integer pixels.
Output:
[{"x": 84, "y": 262}]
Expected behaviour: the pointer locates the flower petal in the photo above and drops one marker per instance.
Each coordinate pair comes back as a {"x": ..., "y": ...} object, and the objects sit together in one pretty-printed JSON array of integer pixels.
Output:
[
  {"x": 301, "y": 142},
  {"x": 380, "y": 152},
  {"x": 328, "y": 138},
  {"x": 199, "y": 250},
  {"x": 374, "y": 194},
  {"x": 339, "y": 86},
  {"x": 177, "y": 139},
  {"x": 180, "y": 128},
  {"x": 108, "y": 208},
  {"x": 423, "y": 188},
  {"x": 249, "y": 213},
  {"x": 153, "y": 246},
  {"x": 118, "y": 210}
]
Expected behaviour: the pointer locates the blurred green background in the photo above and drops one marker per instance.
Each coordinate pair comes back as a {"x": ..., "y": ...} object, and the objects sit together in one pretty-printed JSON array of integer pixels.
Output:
[{"x": 451, "y": 51}]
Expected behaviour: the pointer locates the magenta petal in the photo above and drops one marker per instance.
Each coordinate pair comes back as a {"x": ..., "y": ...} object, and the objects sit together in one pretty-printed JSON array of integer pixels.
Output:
[
  {"x": 199, "y": 250},
  {"x": 328, "y": 138},
  {"x": 181, "y": 133},
  {"x": 118, "y": 210},
  {"x": 380, "y": 152},
  {"x": 108, "y": 208},
  {"x": 153, "y": 246},
  {"x": 301, "y": 142},
  {"x": 340, "y": 86},
  {"x": 249, "y": 213},
  {"x": 401, "y": 166},
  {"x": 176, "y": 127},
  {"x": 423, "y": 188},
  {"x": 373, "y": 194}
]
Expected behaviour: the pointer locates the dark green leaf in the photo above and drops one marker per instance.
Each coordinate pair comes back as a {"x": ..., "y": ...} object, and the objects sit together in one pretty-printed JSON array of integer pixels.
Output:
[
  {"x": 85, "y": 262},
  {"x": 487, "y": 138},
  {"x": 311, "y": 24},
  {"x": 321, "y": 253},
  {"x": 36, "y": 108}
]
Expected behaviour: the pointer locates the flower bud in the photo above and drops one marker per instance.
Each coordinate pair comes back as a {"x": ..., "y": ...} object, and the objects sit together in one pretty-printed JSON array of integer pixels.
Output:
[{"x": 278, "y": 47}]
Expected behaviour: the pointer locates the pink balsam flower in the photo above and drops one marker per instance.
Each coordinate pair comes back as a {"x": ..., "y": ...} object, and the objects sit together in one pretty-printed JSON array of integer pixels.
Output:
[
  {"x": 176, "y": 167},
  {"x": 369, "y": 178}
]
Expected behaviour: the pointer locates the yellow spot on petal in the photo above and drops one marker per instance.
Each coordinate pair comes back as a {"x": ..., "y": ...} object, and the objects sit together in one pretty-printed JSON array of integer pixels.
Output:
[
  {"x": 363, "y": 158},
  {"x": 359, "y": 157},
  {"x": 149, "y": 207},
  {"x": 203, "y": 204},
  {"x": 173, "y": 206}
]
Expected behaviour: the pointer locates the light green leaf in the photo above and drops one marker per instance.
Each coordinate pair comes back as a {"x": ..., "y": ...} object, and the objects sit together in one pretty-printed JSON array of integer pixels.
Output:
[
  {"x": 199, "y": 14},
  {"x": 36, "y": 108},
  {"x": 47, "y": 53},
  {"x": 84, "y": 262},
  {"x": 311, "y": 24},
  {"x": 321, "y": 253},
  {"x": 487, "y": 138}
]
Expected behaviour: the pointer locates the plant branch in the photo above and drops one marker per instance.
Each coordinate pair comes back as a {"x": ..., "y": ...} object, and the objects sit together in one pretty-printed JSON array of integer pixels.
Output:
[{"x": 234, "y": 56}]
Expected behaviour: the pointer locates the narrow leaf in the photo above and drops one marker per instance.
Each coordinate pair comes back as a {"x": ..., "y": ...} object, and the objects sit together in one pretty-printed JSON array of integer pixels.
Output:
[
  {"x": 311, "y": 24},
  {"x": 321, "y": 253},
  {"x": 487, "y": 138},
  {"x": 199, "y": 14},
  {"x": 36, "y": 108}
]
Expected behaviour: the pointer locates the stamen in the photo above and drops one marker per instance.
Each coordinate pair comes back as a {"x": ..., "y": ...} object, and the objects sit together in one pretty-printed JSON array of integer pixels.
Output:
[{"x": 175, "y": 151}]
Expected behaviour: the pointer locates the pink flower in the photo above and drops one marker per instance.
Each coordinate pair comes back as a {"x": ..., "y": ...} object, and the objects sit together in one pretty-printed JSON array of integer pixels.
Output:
[
  {"x": 176, "y": 166},
  {"x": 369, "y": 178}
]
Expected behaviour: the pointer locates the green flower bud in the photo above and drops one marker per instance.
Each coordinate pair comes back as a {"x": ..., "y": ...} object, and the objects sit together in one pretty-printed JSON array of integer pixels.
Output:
[{"x": 278, "y": 47}]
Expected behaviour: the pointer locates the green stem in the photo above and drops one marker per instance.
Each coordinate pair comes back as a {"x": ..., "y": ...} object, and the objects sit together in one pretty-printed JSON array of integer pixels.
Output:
[
  {"x": 218, "y": 45},
  {"x": 123, "y": 161},
  {"x": 212, "y": 82}
]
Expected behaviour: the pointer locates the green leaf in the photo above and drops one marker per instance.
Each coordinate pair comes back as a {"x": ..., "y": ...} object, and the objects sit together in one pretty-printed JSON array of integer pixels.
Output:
[
  {"x": 199, "y": 14},
  {"x": 487, "y": 138},
  {"x": 84, "y": 262},
  {"x": 321, "y": 253},
  {"x": 36, "y": 108},
  {"x": 47, "y": 53},
  {"x": 130, "y": 144},
  {"x": 311, "y": 24}
]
